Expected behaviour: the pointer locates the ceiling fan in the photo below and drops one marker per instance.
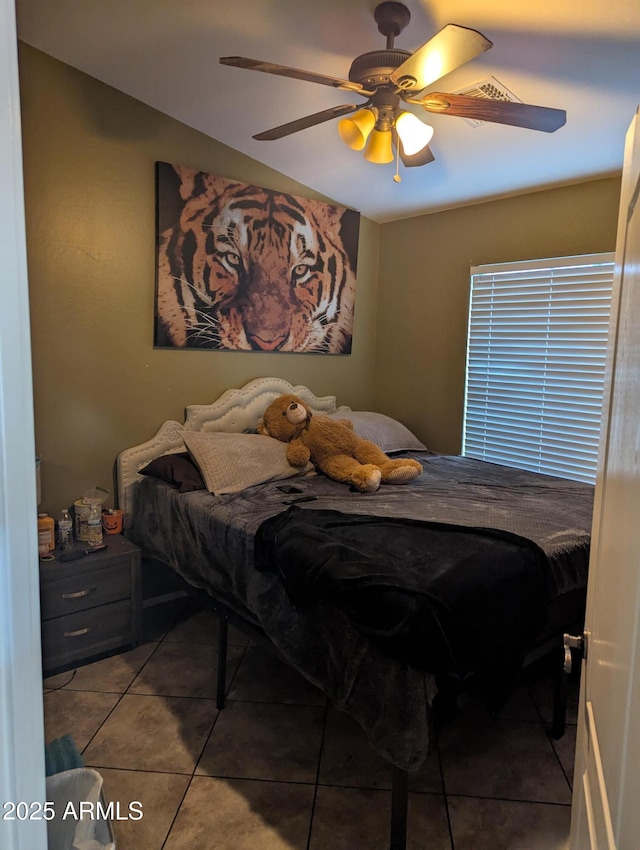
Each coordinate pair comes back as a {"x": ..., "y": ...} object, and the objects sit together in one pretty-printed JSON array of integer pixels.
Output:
[{"x": 391, "y": 76}]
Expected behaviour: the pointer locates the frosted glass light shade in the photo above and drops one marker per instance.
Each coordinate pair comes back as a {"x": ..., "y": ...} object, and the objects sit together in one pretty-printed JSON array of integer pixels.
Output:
[
  {"x": 414, "y": 134},
  {"x": 354, "y": 131},
  {"x": 379, "y": 149}
]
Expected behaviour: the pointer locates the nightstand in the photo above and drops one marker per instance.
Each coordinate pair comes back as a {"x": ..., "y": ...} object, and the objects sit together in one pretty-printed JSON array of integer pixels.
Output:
[{"x": 90, "y": 607}]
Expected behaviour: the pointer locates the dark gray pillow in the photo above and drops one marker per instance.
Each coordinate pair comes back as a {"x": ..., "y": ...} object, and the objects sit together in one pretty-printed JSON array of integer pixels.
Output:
[{"x": 178, "y": 469}]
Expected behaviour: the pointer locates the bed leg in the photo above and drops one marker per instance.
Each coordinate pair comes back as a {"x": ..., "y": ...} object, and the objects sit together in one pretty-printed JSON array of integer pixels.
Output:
[
  {"x": 223, "y": 633},
  {"x": 399, "y": 802}
]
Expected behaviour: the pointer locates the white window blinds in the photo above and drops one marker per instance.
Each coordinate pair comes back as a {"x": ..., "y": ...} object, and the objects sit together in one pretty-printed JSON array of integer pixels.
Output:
[{"x": 536, "y": 353}]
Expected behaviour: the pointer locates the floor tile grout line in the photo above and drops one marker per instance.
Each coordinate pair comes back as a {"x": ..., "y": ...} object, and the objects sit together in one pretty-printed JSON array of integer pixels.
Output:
[
  {"x": 158, "y": 771},
  {"x": 317, "y": 782},
  {"x": 130, "y": 693},
  {"x": 126, "y": 691},
  {"x": 338, "y": 785},
  {"x": 205, "y": 609},
  {"x": 193, "y": 773},
  {"x": 218, "y": 713},
  {"x": 546, "y": 726},
  {"x": 386, "y": 789},
  {"x": 203, "y": 748},
  {"x": 558, "y": 759},
  {"x": 88, "y": 691},
  {"x": 203, "y": 643},
  {"x": 277, "y": 702},
  {"x": 113, "y": 708},
  {"x": 89, "y": 742},
  {"x": 296, "y": 782},
  {"x": 512, "y": 800},
  {"x": 177, "y": 812},
  {"x": 541, "y": 717},
  {"x": 301, "y": 782},
  {"x": 74, "y": 670},
  {"x": 227, "y": 698},
  {"x": 186, "y": 696},
  {"x": 181, "y": 617}
]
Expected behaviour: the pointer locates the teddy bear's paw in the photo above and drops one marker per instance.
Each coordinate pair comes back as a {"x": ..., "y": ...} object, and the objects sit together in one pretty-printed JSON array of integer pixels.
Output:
[
  {"x": 368, "y": 480},
  {"x": 402, "y": 474}
]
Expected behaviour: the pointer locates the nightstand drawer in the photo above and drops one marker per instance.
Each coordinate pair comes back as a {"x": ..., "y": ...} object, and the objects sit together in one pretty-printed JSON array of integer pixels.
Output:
[
  {"x": 86, "y": 633},
  {"x": 84, "y": 590}
]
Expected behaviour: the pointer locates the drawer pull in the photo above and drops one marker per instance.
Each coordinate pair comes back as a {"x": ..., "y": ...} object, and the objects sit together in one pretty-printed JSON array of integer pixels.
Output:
[
  {"x": 78, "y": 632},
  {"x": 78, "y": 594}
]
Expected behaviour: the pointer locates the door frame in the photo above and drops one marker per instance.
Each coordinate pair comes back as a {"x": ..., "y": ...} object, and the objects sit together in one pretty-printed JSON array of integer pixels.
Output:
[{"x": 21, "y": 714}]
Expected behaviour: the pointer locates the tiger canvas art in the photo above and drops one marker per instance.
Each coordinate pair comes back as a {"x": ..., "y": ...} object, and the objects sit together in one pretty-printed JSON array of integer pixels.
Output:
[{"x": 241, "y": 268}]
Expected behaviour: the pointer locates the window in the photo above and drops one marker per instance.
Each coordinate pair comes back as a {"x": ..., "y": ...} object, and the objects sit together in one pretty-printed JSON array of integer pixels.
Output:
[{"x": 536, "y": 353}]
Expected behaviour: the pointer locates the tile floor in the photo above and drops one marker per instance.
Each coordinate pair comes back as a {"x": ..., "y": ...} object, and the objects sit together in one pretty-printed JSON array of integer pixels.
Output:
[{"x": 279, "y": 769}]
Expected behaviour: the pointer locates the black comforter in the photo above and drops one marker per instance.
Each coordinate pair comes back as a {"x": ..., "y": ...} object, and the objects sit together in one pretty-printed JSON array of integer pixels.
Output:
[{"x": 452, "y": 600}]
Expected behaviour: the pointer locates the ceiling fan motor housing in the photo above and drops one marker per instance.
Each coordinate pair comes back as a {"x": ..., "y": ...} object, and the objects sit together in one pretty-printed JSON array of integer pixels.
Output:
[{"x": 373, "y": 68}]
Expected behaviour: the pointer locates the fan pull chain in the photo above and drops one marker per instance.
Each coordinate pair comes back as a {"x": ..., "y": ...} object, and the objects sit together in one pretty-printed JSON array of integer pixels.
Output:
[{"x": 396, "y": 176}]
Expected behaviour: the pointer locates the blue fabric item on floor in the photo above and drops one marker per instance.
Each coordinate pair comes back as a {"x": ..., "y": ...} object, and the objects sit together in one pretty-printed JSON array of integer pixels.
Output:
[{"x": 61, "y": 754}]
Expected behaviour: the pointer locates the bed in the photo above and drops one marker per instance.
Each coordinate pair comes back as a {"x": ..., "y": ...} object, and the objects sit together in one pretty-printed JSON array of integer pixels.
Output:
[{"x": 508, "y": 563}]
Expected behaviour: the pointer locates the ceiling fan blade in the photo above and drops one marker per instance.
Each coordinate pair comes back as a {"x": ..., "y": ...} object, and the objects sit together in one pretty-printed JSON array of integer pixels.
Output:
[
  {"x": 295, "y": 73},
  {"x": 308, "y": 121},
  {"x": 447, "y": 50},
  {"x": 497, "y": 111},
  {"x": 423, "y": 157}
]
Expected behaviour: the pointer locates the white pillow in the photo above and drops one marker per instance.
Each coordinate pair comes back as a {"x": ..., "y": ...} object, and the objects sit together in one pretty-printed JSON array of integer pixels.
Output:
[
  {"x": 387, "y": 433},
  {"x": 230, "y": 463}
]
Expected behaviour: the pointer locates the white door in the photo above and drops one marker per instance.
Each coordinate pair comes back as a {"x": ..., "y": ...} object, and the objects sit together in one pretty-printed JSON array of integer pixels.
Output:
[{"x": 606, "y": 803}]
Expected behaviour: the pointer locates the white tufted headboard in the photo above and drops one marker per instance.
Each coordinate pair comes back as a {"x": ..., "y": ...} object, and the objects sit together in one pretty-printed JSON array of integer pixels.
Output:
[{"x": 235, "y": 411}]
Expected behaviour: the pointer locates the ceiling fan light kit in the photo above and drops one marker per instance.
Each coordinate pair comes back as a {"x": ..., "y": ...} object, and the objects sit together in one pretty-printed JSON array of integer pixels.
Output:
[
  {"x": 379, "y": 147},
  {"x": 359, "y": 128},
  {"x": 389, "y": 76},
  {"x": 414, "y": 133},
  {"x": 355, "y": 131}
]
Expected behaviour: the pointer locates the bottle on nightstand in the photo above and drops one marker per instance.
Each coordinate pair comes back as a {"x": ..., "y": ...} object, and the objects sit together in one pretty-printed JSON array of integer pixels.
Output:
[
  {"x": 95, "y": 525},
  {"x": 46, "y": 534},
  {"x": 65, "y": 532}
]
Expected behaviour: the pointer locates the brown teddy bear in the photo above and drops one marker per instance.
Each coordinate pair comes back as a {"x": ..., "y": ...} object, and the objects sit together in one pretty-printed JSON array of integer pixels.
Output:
[{"x": 333, "y": 447}]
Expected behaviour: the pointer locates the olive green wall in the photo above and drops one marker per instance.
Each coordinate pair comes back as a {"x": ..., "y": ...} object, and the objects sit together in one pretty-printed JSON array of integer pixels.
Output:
[
  {"x": 423, "y": 295},
  {"x": 99, "y": 385}
]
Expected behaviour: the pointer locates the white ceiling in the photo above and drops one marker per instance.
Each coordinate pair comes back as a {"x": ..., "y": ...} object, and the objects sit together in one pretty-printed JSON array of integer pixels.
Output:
[{"x": 578, "y": 55}]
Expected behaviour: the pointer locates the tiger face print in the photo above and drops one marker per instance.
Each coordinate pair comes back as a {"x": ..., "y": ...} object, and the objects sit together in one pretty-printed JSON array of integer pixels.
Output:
[{"x": 250, "y": 269}]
